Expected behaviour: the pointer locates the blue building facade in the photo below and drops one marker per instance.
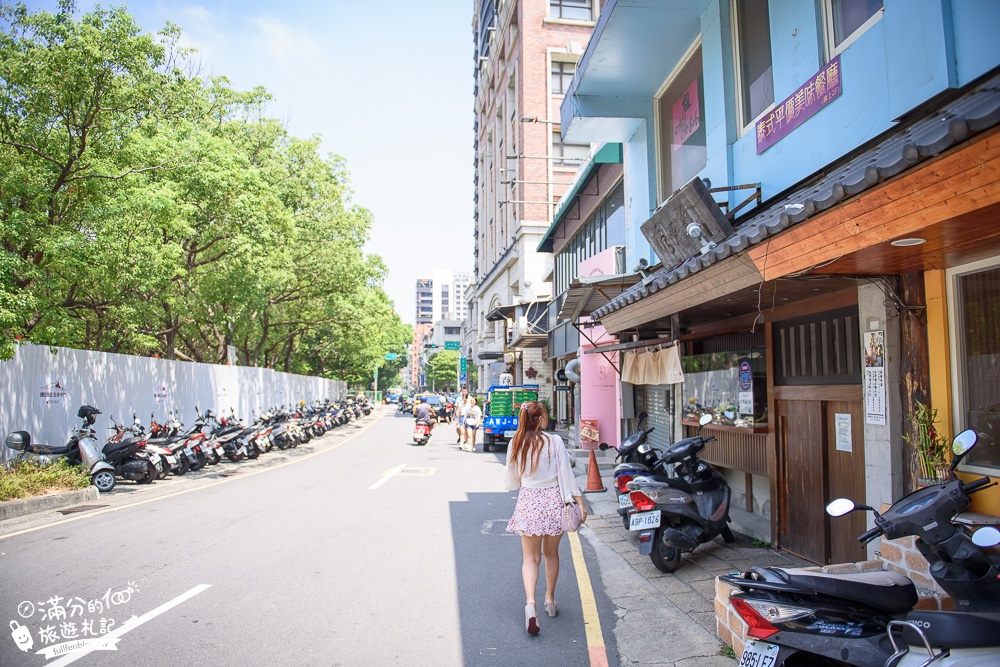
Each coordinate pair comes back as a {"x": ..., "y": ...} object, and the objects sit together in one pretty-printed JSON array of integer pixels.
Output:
[{"x": 848, "y": 272}]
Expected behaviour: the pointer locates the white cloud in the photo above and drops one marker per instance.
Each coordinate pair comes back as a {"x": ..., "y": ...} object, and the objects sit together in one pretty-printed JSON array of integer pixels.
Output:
[
  {"x": 283, "y": 40},
  {"x": 198, "y": 14}
]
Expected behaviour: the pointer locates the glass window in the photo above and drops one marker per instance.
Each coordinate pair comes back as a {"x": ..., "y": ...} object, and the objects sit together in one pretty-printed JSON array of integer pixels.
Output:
[
  {"x": 562, "y": 74},
  {"x": 849, "y": 16},
  {"x": 577, "y": 10},
  {"x": 978, "y": 310},
  {"x": 568, "y": 155},
  {"x": 753, "y": 38},
  {"x": 616, "y": 216},
  {"x": 682, "y": 127}
]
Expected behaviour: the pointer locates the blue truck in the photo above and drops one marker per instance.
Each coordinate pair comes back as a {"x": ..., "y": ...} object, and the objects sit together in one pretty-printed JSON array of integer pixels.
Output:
[{"x": 500, "y": 420}]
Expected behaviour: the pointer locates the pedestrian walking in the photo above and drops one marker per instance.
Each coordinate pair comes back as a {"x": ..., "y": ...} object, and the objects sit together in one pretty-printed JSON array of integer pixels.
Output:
[
  {"x": 461, "y": 406},
  {"x": 473, "y": 419},
  {"x": 533, "y": 462}
]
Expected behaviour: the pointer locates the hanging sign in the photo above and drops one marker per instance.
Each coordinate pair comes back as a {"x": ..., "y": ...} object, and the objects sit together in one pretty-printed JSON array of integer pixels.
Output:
[
  {"x": 745, "y": 394},
  {"x": 822, "y": 88}
]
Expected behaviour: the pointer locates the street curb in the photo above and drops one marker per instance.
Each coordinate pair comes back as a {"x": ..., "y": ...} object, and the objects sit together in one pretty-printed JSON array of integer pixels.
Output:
[{"x": 11, "y": 509}]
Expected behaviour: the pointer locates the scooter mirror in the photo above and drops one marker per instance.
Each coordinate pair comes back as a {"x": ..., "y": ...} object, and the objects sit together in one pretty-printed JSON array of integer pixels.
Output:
[
  {"x": 963, "y": 442},
  {"x": 705, "y": 419},
  {"x": 988, "y": 536},
  {"x": 840, "y": 507},
  {"x": 604, "y": 446}
]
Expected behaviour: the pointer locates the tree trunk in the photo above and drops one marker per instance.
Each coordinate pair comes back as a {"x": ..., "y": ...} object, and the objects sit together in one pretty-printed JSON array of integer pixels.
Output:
[{"x": 914, "y": 371}]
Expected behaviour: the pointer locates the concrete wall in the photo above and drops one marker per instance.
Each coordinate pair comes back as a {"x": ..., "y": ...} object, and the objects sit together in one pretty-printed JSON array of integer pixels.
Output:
[{"x": 119, "y": 385}]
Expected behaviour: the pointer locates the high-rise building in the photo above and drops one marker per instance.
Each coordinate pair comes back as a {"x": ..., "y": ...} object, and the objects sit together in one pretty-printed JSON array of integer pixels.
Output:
[
  {"x": 439, "y": 297},
  {"x": 525, "y": 57}
]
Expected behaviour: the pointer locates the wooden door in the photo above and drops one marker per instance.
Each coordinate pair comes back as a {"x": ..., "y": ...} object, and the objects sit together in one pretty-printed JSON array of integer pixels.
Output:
[
  {"x": 814, "y": 470},
  {"x": 800, "y": 437}
]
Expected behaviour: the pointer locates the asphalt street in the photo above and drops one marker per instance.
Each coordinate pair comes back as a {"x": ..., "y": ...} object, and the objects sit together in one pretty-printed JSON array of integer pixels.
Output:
[{"x": 364, "y": 550}]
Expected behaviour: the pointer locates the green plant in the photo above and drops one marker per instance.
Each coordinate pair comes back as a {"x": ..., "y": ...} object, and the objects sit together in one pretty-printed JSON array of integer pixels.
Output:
[
  {"x": 932, "y": 448},
  {"x": 24, "y": 479},
  {"x": 727, "y": 651}
]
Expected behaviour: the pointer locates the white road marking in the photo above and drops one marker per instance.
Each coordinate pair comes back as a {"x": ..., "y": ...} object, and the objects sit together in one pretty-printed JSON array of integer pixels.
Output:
[
  {"x": 132, "y": 624},
  {"x": 385, "y": 477}
]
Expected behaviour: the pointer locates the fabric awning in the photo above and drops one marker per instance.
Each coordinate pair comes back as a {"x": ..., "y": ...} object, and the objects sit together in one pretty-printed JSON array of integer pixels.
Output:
[
  {"x": 588, "y": 293},
  {"x": 653, "y": 366}
]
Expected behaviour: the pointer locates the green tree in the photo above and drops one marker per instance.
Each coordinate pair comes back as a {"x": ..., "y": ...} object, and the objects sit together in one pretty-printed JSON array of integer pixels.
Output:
[{"x": 441, "y": 370}]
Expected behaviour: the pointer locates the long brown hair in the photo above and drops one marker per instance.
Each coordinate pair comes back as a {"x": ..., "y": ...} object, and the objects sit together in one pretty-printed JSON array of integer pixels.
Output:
[{"x": 528, "y": 442}]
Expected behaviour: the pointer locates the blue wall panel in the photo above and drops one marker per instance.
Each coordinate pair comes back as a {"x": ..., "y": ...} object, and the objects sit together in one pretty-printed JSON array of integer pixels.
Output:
[
  {"x": 916, "y": 52},
  {"x": 976, "y": 25}
]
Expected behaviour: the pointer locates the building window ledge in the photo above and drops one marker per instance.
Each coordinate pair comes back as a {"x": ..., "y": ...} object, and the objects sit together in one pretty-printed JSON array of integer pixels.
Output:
[{"x": 574, "y": 22}]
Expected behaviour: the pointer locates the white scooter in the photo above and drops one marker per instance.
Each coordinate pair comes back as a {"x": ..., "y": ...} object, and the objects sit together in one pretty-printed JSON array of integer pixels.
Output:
[{"x": 82, "y": 449}]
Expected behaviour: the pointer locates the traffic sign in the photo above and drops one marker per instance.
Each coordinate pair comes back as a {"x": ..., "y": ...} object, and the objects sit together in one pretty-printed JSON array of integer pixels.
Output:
[
  {"x": 391, "y": 356},
  {"x": 452, "y": 345},
  {"x": 462, "y": 365}
]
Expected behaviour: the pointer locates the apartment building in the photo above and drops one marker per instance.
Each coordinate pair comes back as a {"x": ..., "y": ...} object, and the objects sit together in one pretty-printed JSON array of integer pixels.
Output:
[
  {"x": 525, "y": 56},
  {"x": 441, "y": 296}
]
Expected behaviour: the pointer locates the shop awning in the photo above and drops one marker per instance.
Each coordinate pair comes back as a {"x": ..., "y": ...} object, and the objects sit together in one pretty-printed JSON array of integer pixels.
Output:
[
  {"x": 588, "y": 293},
  {"x": 501, "y": 313}
]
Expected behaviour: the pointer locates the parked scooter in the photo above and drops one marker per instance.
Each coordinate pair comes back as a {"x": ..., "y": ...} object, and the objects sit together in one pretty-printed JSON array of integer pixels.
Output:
[
  {"x": 866, "y": 619},
  {"x": 637, "y": 458},
  {"x": 677, "y": 512},
  {"x": 129, "y": 457},
  {"x": 81, "y": 449}
]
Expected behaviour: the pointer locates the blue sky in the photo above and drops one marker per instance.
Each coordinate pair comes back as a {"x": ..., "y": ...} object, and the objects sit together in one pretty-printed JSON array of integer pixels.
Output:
[{"x": 388, "y": 86}]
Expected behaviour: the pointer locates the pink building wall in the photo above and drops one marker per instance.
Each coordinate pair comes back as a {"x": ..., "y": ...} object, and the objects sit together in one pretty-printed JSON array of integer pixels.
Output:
[{"x": 600, "y": 385}]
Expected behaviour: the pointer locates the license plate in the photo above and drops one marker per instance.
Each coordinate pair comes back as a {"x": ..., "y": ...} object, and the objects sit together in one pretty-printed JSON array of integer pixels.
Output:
[
  {"x": 221, "y": 451},
  {"x": 624, "y": 501},
  {"x": 644, "y": 520},
  {"x": 171, "y": 459},
  {"x": 759, "y": 654},
  {"x": 154, "y": 457},
  {"x": 243, "y": 450},
  {"x": 509, "y": 434},
  {"x": 189, "y": 452}
]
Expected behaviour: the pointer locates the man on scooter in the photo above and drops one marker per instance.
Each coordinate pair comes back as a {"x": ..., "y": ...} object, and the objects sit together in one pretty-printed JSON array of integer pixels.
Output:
[{"x": 425, "y": 413}]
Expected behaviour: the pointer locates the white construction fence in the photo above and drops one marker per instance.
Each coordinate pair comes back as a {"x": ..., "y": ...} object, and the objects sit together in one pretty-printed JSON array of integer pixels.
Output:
[{"x": 43, "y": 387}]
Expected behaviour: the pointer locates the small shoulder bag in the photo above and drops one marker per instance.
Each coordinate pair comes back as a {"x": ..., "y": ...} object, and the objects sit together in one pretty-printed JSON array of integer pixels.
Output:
[{"x": 572, "y": 515}]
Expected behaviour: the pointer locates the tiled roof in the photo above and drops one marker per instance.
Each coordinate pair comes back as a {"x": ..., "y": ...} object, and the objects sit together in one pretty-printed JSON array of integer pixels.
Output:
[{"x": 972, "y": 113}]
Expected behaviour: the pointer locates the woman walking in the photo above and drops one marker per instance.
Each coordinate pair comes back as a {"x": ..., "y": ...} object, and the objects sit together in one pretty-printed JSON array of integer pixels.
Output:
[
  {"x": 533, "y": 461},
  {"x": 473, "y": 418}
]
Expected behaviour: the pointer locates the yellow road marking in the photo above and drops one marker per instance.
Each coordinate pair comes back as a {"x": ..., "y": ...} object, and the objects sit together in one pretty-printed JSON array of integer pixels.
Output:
[
  {"x": 196, "y": 488},
  {"x": 591, "y": 619}
]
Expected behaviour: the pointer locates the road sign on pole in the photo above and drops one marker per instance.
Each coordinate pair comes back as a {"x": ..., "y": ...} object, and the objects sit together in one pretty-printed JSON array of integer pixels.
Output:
[
  {"x": 452, "y": 345},
  {"x": 391, "y": 356},
  {"x": 462, "y": 365}
]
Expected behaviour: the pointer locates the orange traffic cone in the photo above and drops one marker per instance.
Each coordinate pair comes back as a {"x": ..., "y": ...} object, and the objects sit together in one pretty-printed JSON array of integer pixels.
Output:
[{"x": 594, "y": 484}]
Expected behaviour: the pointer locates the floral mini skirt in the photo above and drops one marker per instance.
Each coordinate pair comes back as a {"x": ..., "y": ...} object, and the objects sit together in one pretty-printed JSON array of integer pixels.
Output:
[{"x": 538, "y": 512}]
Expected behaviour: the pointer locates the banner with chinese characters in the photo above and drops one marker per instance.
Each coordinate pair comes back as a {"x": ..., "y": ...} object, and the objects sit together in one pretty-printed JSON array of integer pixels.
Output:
[
  {"x": 874, "y": 352},
  {"x": 821, "y": 89}
]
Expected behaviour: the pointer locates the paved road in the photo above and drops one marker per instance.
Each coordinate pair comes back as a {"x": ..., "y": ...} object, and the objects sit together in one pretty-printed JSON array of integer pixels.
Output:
[{"x": 324, "y": 559}]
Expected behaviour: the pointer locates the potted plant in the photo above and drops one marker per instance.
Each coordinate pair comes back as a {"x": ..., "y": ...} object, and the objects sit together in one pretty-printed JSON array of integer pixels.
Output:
[
  {"x": 932, "y": 448},
  {"x": 548, "y": 409}
]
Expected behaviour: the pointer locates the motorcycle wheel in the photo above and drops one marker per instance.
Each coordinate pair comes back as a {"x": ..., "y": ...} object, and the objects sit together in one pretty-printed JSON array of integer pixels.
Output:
[
  {"x": 665, "y": 557},
  {"x": 164, "y": 469},
  {"x": 727, "y": 535},
  {"x": 200, "y": 461},
  {"x": 183, "y": 465},
  {"x": 152, "y": 472},
  {"x": 214, "y": 457},
  {"x": 104, "y": 480},
  {"x": 252, "y": 450},
  {"x": 235, "y": 457}
]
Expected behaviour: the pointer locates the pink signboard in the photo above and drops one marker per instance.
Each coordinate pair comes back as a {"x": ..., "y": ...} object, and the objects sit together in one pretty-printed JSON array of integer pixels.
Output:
[
  {"x": 686, "y": 115},
  {"x": 821, "y": 89}
]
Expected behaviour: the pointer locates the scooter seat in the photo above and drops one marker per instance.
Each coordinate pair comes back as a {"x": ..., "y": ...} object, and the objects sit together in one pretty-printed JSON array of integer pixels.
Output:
[
  {"x": 953, "y": 629},
  {"x": 49, "y": 450},
  {"x": 888, "y": 591}
]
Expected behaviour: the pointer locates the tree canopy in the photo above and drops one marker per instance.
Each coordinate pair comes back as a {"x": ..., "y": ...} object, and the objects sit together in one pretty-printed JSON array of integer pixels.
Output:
[{"x": 147, "y": 210}]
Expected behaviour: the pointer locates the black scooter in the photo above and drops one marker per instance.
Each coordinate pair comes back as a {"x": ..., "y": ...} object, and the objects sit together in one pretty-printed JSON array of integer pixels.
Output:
[
  {"x": 677, "y": 512},
  {"x": 812, "y": 618},
  {"x": 637, "y": 459}
]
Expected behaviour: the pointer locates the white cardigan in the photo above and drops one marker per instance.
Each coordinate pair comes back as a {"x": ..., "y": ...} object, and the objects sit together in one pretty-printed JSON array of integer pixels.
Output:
[{"x": 553, "y": 456}]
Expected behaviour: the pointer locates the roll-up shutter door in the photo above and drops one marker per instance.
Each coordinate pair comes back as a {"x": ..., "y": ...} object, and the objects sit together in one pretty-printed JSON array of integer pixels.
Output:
[{"x": 659, "y": 406}]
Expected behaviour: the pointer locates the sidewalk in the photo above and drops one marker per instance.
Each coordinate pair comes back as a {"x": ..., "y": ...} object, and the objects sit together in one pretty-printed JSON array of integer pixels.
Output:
[{"x": 663, "y": 619}]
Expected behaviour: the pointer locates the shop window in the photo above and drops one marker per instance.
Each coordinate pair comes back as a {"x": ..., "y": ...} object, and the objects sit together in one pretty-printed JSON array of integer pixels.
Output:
[
  {"x": 977, "y": 321},
  {"x": 732, "y": 385},
  {"x": 681, "y": 127},
  {"x": 753, "y": 56}
]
